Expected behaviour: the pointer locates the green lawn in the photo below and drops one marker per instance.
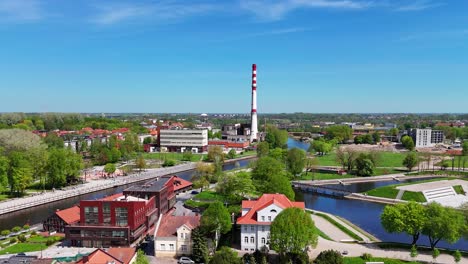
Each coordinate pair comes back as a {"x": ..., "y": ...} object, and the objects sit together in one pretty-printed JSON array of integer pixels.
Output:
[
  {"x": 322, "y": 234},
  {"x": 339, "y": 226},
  {"x": 385, "y": 191},
  {"x": 414, "y": 196},
  {"x": 42, "y": 239},
  {"x": 23, "y": 247},
  {"x": 247, "y": 153},
  {"x": 386, "y": 159},
  {"x": 323, "y": 176},
  {"x": 209, "y": 196},
  {"x": 359, "y": 260},
  {"x": 458, "y": 189},
  {"x": 4, "y": 197},
  {"x": 173, "y": 156}
]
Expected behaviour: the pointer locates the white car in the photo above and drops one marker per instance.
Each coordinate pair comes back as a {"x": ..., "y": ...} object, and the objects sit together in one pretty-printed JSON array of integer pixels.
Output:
[{"x": 185, "y": 260}]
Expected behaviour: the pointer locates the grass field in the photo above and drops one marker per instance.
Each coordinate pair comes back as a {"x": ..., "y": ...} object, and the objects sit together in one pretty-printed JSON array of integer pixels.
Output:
[
  {"x": 339, "y": 226},
  {"x": 359, "y": 260},
  {"x": 210, "y": 196},
  {"x": 323, "y": 176},
  {"x": 41, "y": 239},
  {"x": 23, "y": 247},
  {"x": 414, "y": 196},
  {"x": 385, "y": 191},
  {"x": 386, "y": 159},
  {"x": 458, "y": 189},
  {"x": 172, "y": 156}
]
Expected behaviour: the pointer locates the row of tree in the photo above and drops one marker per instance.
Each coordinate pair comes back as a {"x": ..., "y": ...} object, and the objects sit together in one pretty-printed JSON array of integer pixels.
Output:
[
  {"x": 25, "y": 159},
  {"x": 434, "y": 220}
]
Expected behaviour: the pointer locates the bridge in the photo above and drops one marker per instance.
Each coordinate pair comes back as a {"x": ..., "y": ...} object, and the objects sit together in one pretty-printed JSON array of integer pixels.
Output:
[{"x": 321, "y": 189}]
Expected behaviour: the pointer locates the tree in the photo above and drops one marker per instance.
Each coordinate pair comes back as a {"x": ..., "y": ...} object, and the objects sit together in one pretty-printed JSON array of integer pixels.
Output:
[
  {"x": 465, "y": 148},
  {"x": 292, "y": 231},
  {"x": 19, "y": 172},
  {"x": 63, "y": 166},
  {"x": 413, "y": 251},
  {"x": 216, "y": 220},
  {"x": 376, "y": 137},
  {"x": 407, "y": 142},
  {"x": 329, "y": 257},
  {"x": 320, "y": 146},
  {"x": 187, "y": 156},
  {"x": 231, "y": 154},
  {"x": 110, "y": 168},
  {"x": 295, "y": 161},
  {"x": 216, "y": 155},
  {"x": 54, "y": 141},
  {"x": 269, "y": 176},
  {"x": 364, "y": 165},
  {"x": 435, "y": 253},
  {"x": 457, "y": 256},
  {"x": 278, "y": 154},
  {"x": 140, "y": 162},
  {"x": 444, "y": 223},
  {"x": 276, "y": 138},
  {"x": 410, "y": 161},
  {"x": 147, "y": 140},
  {"x": 346, "y": 157},
  {"x": 141, "y": 258},
  {"x": 225, "y": 256},
  {"x": 263, "y": 148},
  {"x": 236, "y": 185},
  {"x": 340, "y": 132},
  {"x": 409, "y": 218},
  {"x": 200, "y": 247}
]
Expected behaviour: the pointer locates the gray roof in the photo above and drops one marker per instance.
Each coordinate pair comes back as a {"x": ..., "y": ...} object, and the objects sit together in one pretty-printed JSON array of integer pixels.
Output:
[{"x": 155, "y": 185}]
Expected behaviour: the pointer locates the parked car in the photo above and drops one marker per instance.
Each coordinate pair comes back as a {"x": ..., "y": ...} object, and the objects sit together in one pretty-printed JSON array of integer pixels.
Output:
[
  {"x": 344, "y": 253},
  {"x": 185, "y": 260},
  {"x": 195, "y": 192}
]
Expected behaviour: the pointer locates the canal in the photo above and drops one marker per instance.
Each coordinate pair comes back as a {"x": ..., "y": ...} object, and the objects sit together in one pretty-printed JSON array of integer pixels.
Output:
[{"x": 364, "y": 214}]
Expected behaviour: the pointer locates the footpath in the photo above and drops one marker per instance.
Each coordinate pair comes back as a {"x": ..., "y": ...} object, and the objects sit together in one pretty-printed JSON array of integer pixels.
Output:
[{"x": 16, "y": 204}]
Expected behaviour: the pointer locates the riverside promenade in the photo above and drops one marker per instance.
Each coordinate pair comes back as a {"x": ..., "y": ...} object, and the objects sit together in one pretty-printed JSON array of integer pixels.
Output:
[{"x": 17, "y": 204}]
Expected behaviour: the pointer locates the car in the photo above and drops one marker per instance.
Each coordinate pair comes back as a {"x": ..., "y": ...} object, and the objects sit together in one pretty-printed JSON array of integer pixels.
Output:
[
  {"x": 195, "y": 192},
  {"x": 344, "y": 253},
  {"x": 185, "y": 260}
]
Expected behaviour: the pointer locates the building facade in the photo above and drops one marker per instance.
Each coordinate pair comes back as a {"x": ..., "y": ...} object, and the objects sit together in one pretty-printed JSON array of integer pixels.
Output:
[
  {"x": 426, "y": 137},
  {"x": 62, "y": 218},
  {"x": 117, "y": 220},
  {"x": 257, "y": 217},
  {"x": 174, "y": 140},
  {"x": 174, "y": 235}
]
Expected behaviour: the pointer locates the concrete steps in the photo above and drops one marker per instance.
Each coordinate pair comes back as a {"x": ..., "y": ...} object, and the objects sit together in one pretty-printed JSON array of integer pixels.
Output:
[{"x": 434, "y": 194}]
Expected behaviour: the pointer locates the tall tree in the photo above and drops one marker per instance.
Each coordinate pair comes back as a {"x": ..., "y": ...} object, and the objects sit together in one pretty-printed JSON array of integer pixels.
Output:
[
  {"x": 225, "y": 256},
  {"x": 269, "y": 176},
  {"x": 339, "y": 132},
  {"x": 216, "y": 220},
  {"x": 444, "y": 223},
  {"x": 409, "y": 218},
  {"x": 19, "y": 172},
  {"x": 63, "y": 166},
  {"x": 53, "y": 141},
  {"x": 263, "y": 148},
  {"x": 346, "y": 157},
  {"x": 407, "y": 142},
  {"x": 110, "y": 168},
  {"x": 200, "y": 247},
  {"x": 296, "y": 160},
  {"x": 141, "y": 258},
  {"x": 140, "y": 162},
  {"x": 292, "y": 231},
  {"x": 410, "y": 161},
  {"x": 364, "y": 165}
]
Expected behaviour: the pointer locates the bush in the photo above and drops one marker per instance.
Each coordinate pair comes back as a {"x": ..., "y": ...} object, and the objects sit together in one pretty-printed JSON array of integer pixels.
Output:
[
  {"x": 457, "y": 256},
  {"x": 22, "y": 238},
  {"x": 169, "y": 163},
  {"x": 13, "y": 240},
  {"x": 5, "y": 232},
  {"x": 329, "y": 257},
  {"x": 414, "y": 251},
  {"x": 16, "y": 229},
  {"x": 50, "y": 242},
  {"x": 26, "y": 227},
  {"x": 366, "y": 256},
  {"x": 33, "y": 233}
]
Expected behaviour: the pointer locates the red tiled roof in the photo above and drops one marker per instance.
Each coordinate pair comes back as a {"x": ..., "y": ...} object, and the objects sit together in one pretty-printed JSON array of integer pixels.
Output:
[
  {"x": 124, "y": 254},
  {"x": 70, "y": 215},
  {"x": 111, "y": 197},
  {"x": 99, "y": 256},
  {"x": 265, "y": 200},
  {"x": 180, "y": 183},
  {"x": 170, "y": 223}
]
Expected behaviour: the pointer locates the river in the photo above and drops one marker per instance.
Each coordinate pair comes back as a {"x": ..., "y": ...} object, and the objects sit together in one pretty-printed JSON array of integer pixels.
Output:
[{"x": 364, "y": 214}]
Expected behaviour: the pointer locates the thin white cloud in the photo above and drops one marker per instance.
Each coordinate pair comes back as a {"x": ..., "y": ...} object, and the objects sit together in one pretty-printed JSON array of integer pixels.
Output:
[
  {"x": 268, "y": 10},
  {"x": 418, "y": 5},
  {"x": 161, "y": 11},
  {"x": 20, "y": 10}
]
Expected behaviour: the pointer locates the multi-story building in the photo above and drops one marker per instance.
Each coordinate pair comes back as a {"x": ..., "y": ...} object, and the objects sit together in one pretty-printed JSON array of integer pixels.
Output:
[
  {"x": 257, "y": 217},
  {"x": 61, "y": 218},
  {"x": 174, "y": 235},
  {"x": 164, "y": 190},
  {"x": 181, "y": 140},
  {"x": 425, "y": 138},
  {"x": 117, "y": 220}
]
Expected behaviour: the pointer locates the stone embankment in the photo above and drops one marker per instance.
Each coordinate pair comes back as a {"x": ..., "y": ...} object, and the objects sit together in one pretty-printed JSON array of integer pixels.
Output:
[{"x": 89, "y": 187}]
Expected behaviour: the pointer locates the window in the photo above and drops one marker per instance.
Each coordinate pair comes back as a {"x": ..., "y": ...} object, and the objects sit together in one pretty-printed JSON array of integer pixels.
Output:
[
  {"x": 252, "y": 228},
  {"x": 91, "y": 215},
  {"x": 121, "y": 216},
  {"x": 263, "y": 218},
  {"x": 246, "y": 239},
  {"x": 273, "y": 211},
  {"x": 171, "y": 247},
  {"x": 163, "y": 246},
  {"x": 252, "y": 240},
  {"x": 184, "y": 248},
  {"x": 118, "y": 234},
  {"x": 263, "y": 228},
  {"x": 106, "y": 213},
  {"x": 269, "y": 218},
  {"x": 263, "y": 240},
  {"x": 245, "y": 228}
]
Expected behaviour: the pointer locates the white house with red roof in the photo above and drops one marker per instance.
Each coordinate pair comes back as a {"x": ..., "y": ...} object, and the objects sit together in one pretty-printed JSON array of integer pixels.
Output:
[{"x": 257, "y": 217}]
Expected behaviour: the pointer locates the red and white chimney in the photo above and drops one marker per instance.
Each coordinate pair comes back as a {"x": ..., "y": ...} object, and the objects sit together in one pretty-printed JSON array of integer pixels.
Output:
[{"x": 253, "y": 114}]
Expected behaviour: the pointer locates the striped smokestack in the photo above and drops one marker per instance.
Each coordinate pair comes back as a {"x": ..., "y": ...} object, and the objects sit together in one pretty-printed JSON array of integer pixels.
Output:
[{"x": 253, "y": 114}]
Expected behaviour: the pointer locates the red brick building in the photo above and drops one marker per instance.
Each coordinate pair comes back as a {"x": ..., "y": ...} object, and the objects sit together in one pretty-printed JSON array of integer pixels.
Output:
[
  {"x": 62, "y": 218},
  {"x": 117, "y": 220}
]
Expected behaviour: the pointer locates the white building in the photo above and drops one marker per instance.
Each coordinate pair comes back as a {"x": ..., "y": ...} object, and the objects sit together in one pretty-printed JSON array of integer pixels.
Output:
[
  {"x": 257, "y": 217},
  {"x": 426, "y": 138},
  {"x": 174, "y": 235},
  {"x": 184, "y": 139}
]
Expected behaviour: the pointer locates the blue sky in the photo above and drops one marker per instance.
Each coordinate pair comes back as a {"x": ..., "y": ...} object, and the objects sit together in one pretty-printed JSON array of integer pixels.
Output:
[{"x": 195, "y": 56}]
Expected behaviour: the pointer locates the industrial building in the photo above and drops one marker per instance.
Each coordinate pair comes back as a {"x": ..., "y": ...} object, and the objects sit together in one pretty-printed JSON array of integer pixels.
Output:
[{"x": 181, "y": 140}]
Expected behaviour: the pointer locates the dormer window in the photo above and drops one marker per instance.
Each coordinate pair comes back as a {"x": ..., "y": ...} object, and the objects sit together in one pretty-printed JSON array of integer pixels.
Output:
[{"x": 273, "y": 211}]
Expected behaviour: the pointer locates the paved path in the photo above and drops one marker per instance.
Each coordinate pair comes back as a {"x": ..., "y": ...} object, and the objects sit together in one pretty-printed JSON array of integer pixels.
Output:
[
  {"x": 356, "y": 250},
  {"x": 329, "y": 229},
  {"x": 93, "y": 186}
]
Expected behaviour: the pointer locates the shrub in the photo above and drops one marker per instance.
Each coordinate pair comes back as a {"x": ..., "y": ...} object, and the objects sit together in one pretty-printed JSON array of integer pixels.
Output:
[
  {"x": 366, "y": 256},
  {"x": 168, "y": 163},
  {"x": 329, "y": 257},
  {"x": 50, "y": 242},
  {"x": 33, "y": 233},
  {"x": 5, "y": 232},
  {"x": 26, "y": 227},
  {"x": 435, "y": 253},
  {"x": 457, "y": 256},
  {"x": 414, "y": 251},
  {"x": 16, "y": 229},
  {"x": 22, "y": 238},
  {"x": 12, "y": 240}
]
